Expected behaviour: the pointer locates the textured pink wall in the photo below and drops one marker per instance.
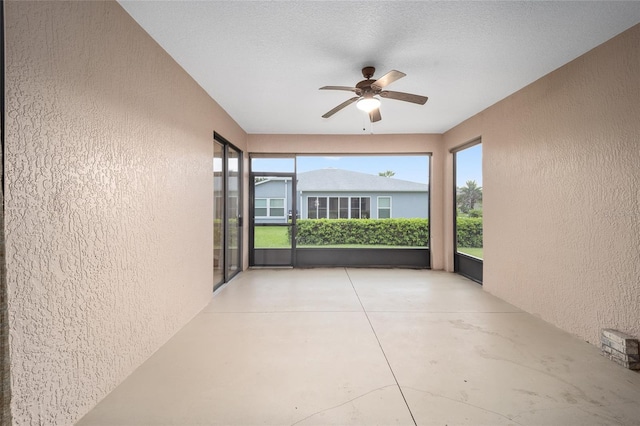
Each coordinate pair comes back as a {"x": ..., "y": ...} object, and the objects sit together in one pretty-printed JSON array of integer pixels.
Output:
[
  {"x": 371, "y": 144},
  {"x": 562, "y": 192},
  {"x": 109, "y": 202}
]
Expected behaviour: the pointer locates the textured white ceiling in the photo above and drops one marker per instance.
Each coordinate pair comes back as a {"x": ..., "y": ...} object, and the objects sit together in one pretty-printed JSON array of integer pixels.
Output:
[{"x": 263, "y": 61}]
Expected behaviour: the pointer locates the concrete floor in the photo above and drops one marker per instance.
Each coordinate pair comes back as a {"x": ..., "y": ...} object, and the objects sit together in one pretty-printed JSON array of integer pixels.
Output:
[{"x": 370, "y": 347}]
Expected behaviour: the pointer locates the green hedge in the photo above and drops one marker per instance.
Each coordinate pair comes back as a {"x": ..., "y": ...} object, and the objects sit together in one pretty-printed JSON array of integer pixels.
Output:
[
  {"x": 469, "y": 231},
  {"x": 390, "y": 232}
]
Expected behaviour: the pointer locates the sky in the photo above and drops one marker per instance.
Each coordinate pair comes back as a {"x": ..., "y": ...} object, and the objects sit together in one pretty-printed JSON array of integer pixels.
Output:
[
  {"x": 414, "y": 168},
  {"x": 469, "y": 165}
]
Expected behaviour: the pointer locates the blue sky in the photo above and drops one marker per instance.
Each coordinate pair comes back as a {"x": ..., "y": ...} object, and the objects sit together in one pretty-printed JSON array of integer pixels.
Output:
[
  {"x": 469, "y": 165},
  {"x": 413, "y": 168}
]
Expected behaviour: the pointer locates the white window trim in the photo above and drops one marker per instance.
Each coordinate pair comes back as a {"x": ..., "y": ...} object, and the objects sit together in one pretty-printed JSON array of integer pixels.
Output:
[{"x": 390, "y": 208}]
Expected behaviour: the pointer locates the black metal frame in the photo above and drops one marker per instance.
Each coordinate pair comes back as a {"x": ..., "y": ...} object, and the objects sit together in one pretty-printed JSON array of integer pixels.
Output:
[
  {"x": 465, "y": 265},
  {"x": 468, "y": 266},
  {"x": 418, "y": 258},
  {"x": 225, "y": 213}
]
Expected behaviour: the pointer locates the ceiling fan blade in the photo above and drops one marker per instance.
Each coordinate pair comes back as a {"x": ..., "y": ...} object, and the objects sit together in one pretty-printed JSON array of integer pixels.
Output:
[
  {"x": 342, "y": 105},
  {"x": 348, "y": 89},
  {"x": 407, "y": 97},
  {"x": 375, "y": 115},
  {"x": 387, "y": 79}
]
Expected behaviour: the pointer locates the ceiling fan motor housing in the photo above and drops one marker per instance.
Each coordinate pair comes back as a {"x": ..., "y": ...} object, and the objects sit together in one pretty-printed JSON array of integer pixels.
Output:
[{"x": 368, "y": 72}]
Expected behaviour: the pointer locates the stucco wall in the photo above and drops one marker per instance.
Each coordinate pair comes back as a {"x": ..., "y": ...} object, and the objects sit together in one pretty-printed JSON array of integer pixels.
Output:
[
  {"x": 562, "y": 192},
  {"x": 372, "y": 144},
  {"x": 108, "y": 203}
]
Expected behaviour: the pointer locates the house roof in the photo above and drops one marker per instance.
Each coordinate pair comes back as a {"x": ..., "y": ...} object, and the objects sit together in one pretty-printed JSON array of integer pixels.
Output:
[{"x": 338, "y": 180}]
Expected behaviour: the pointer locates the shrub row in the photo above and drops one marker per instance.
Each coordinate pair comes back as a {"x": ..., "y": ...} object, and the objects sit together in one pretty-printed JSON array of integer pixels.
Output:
[
  {"x": 391, "y": 232},
  {"x": 469, "y": 231}
]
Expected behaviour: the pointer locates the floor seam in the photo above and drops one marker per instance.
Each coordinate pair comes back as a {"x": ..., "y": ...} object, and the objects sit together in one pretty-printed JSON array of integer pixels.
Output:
[
  {"x": 283, "y": 312},
  {"x": 442, "y": 312},
  {"x": 381, "y": 348}
]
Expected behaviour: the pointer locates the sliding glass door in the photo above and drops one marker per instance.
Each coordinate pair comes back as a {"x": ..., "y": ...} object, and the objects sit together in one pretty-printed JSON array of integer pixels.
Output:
[
  {"x": 227, "y": 220},
  {"x": 218, "y": 213}
]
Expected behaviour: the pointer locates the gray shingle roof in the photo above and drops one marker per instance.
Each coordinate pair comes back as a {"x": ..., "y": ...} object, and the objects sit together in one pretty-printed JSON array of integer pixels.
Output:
[{"x": 337, "y": 180}]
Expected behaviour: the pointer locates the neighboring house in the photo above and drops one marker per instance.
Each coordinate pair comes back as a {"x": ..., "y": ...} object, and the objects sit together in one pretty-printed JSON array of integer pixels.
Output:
[
  {"x": 340, "y": 194},
  {"x": 272, "y": 199}
]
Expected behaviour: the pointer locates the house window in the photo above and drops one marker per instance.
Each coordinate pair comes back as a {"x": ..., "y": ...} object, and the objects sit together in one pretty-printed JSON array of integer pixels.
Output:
[
  {"x": 269, "y": 207},
  {"x": 384, "y": 207},
  {"x": 276, "y": 207},
  {"x": 360, "y": 207},
  {"x": 317, "y": 207},
  {"x": 261, "y": 207},
  {"x": 338, "y": 207}
]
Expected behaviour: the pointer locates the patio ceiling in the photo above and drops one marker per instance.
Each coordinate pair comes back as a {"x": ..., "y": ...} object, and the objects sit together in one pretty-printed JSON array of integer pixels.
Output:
[{"x": 264, "y": 61}]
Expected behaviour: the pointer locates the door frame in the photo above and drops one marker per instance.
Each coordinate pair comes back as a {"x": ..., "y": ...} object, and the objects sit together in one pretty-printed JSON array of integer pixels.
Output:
[
  {"x": 262, "y": 256},
  {"x": 463, "y": 264}
]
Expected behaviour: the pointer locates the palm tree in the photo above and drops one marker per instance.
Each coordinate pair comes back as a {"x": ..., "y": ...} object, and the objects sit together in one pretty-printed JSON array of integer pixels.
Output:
[
  {"x": 469, "y": 195},
  {"x": 388, "y": 173}
]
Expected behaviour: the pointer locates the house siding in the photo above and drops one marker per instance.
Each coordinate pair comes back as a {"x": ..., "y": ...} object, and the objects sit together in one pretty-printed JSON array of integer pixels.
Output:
[{"x": 274, "y": 189}]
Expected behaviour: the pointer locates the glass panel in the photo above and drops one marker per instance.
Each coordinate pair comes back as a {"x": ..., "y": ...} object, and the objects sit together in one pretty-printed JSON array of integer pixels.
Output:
[
  {"x": 276, "y": 207},
  {"x": 312, "y": 207},
  {"x": 344, "y": 208},
  {"x": 333, "y": 207},
  {"x": 365, "y": 210},
  {"x": 345, "y": 190},
  {"x": 270, "y": 164},
  {"x": 218, "y": 206},
  {"x": 233, "y": 211},
  {"x": 322, "y": 208},
  {"x": 469, "y": 201},
  {"x": 355, "y": 208}
]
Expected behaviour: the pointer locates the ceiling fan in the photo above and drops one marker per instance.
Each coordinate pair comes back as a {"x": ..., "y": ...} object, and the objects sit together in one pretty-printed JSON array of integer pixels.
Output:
[{"x": 368, "y": 89}]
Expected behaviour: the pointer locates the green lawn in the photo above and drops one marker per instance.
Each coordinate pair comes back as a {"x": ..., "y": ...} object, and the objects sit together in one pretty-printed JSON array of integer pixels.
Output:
[
  {"x": 472, "y": 251},
  {"x": 277, "y": 237},
  {"x": 271, "y": 237}
]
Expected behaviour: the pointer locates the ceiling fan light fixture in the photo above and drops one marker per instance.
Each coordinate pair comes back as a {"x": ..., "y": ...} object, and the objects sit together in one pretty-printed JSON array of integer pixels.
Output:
[{"x": 368, "y": 103}]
